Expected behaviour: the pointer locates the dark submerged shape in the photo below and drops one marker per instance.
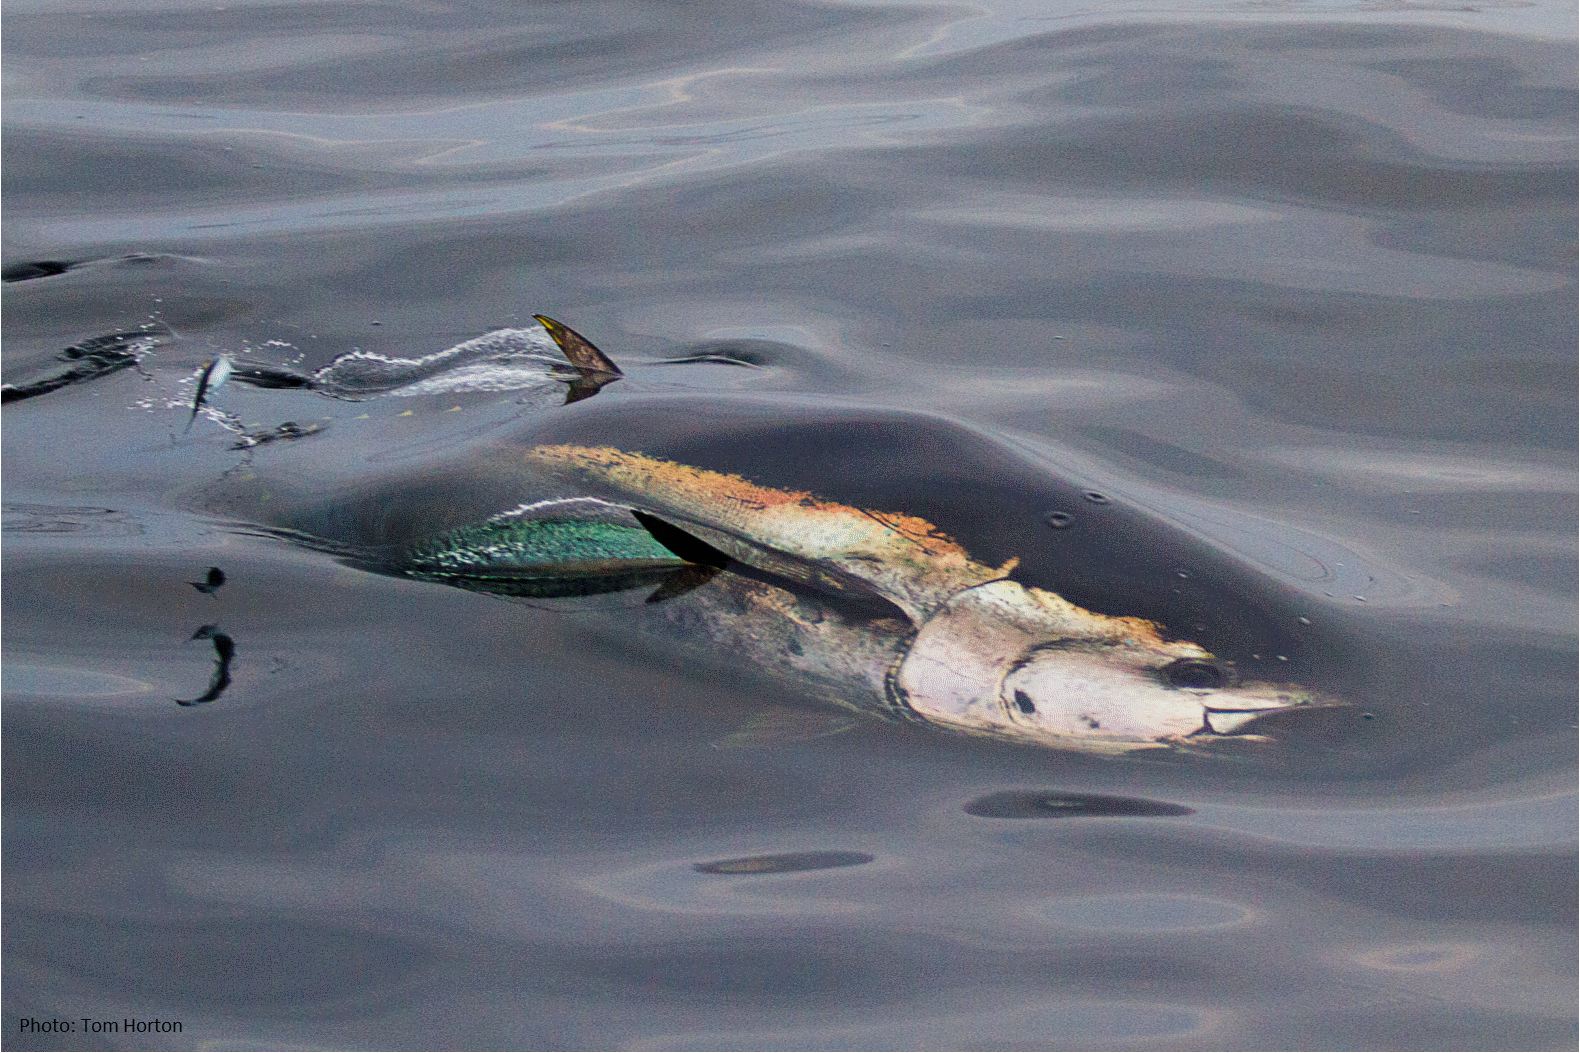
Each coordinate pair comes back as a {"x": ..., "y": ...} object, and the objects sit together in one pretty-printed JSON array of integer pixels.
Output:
[
  {"x": 22, "y": 272},
  {"x": 1029, "y": 804},
  {"x": 785, "y": 863}
]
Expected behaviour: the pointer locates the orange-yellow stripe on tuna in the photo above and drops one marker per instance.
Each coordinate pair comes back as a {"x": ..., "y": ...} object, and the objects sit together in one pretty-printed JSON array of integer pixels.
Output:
[{"x": 904, "y": 557}]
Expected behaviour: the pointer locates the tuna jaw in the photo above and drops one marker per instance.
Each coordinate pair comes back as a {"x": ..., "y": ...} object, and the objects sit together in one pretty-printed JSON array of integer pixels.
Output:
[{"x": 1027, "y": 665}]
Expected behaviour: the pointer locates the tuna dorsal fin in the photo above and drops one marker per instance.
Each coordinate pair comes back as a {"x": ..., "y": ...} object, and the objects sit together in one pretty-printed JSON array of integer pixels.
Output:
[{"x": 581, "y": 352}]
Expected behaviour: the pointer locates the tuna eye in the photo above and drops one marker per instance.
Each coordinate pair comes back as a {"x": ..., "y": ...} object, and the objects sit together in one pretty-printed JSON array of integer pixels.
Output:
[
  {"x": 1190, "y": 672},
  {"x": 1023, "y": 701}
]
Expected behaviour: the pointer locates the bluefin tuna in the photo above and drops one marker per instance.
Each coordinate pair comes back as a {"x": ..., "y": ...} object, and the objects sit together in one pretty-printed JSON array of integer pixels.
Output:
[{"x": 873, "y": 610}]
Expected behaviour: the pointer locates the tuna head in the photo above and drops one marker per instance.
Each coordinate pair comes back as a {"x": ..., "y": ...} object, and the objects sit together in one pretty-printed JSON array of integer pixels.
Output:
[{"x": 1022, "y": 664}]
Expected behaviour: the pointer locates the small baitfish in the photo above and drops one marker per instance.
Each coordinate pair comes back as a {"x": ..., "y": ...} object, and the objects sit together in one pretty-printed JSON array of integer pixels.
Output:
[{"x": 876, "y": 611}]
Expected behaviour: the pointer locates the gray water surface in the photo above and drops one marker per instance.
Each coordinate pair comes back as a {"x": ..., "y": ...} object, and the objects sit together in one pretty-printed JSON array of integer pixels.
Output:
[{"x": 1292, "y": 286}]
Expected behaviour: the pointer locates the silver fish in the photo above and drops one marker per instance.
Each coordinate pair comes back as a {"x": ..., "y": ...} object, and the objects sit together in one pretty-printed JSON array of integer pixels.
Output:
[{"x": 215, "y": 372}]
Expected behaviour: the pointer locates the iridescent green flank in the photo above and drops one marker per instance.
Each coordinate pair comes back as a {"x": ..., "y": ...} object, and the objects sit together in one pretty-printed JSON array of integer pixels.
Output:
[{"x": 539, "y": 548}]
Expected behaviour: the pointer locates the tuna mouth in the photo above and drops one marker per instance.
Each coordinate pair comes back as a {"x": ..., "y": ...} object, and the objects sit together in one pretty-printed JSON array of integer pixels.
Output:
[{"x": 1231, "y": 721}]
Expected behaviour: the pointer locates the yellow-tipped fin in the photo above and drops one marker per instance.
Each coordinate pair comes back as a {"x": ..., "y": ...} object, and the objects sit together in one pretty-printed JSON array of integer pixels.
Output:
[{"x": 581, "y": 352}]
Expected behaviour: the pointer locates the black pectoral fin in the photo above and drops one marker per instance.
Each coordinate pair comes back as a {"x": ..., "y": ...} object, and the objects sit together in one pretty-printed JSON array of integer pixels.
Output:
[
  {"x": 688, "y": 547},
  {"x": 581, "y": 352},
  {"x": 710, "y": 547}
]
